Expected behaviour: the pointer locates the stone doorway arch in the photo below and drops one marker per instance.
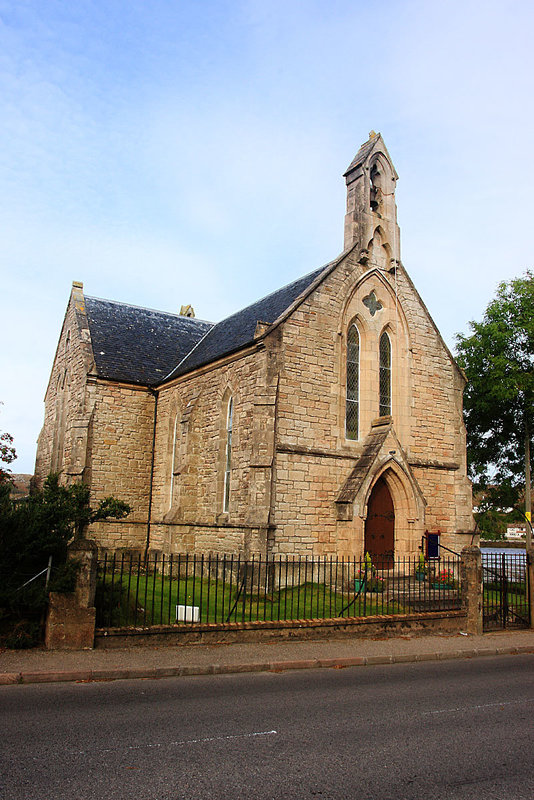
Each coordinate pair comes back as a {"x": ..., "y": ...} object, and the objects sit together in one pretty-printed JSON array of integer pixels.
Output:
[
  {"x": 379, "y": 535},
  {"x": 382, "y": 462}
]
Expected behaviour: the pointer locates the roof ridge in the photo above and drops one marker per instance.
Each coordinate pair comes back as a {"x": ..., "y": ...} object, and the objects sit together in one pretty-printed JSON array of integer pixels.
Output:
[
  {"x": 271, "y": 294},
  {"x": 146, "y": 308},
  {"x": 242, "y": 319},
  {"x": 186, "y": 355}
]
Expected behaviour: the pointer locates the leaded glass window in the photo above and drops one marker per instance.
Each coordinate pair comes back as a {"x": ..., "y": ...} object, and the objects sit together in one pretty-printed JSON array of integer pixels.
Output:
[
  {"x": 385, "y": 376},
  {"x": 228, "y": 459},
  {"x": 353, "y": 376},
  {"x": 174, "y": 459}
]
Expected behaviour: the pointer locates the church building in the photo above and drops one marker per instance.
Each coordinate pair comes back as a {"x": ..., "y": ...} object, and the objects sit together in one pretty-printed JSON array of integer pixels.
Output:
[{"x": 324, "y": 419}]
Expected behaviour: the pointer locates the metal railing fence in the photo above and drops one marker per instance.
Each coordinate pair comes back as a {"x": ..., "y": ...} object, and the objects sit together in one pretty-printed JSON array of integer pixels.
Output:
[
  {"x": 505, "y": 602},
  {"x": 186, "y": 589}
]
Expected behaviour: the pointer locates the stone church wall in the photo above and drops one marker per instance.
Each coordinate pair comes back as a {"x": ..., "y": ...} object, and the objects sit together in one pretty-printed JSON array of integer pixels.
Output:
[
  {"x": 188, "y": 507},
  {"x": 98, "y": 432},
  {"x": 313, "y": 457},
  {"x": 62, "y": 441},
  {"x": 437, "y": 442},
  {"x": 120, "y": 460},
  {"x": 426, "y": 408}
]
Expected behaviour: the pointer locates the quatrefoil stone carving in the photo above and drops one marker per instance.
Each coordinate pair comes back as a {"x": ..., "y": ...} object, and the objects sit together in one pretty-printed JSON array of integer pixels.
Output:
[{"x": 372, "y": 303}]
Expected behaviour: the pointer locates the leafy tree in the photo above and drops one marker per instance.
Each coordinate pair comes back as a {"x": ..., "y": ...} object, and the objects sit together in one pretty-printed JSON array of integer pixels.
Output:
[
  {"x": 492, "y": 522},
  {"x": 498, "y": 359},
  {"x": 7, "y": 456},
  {"x": 34, "y": 528}
]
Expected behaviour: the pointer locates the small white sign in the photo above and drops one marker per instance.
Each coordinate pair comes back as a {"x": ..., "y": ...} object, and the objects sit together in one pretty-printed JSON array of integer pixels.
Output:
[
  {"x": 187, "y": 613},
  {"x": 516, "y": 531}
]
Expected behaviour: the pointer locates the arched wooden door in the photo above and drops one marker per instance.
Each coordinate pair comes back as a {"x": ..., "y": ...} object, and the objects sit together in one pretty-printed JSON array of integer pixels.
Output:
[{"x": 380, "y": 526}]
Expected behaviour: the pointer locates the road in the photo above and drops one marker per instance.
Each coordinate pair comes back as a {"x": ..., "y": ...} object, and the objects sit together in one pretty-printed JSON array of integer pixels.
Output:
[{"x": 440, "y": 730}]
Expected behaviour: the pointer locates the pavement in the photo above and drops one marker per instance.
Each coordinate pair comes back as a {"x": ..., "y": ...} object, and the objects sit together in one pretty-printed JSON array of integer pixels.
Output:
[{"x": 48, "y": 666}]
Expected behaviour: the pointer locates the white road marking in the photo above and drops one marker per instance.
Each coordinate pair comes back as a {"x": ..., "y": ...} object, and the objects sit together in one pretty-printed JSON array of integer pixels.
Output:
[
  {"x": 471, "y": 708},
  {"x": 182, "y": 742}
]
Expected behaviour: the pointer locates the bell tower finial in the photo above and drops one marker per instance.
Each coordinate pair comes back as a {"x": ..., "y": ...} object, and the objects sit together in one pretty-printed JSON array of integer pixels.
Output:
[{"x": 371, "y": 218}]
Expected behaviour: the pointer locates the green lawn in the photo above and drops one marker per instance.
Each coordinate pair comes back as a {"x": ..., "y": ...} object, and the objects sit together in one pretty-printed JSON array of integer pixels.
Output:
[
  {"x": 517, "y": 602},
  {"x": 150, "y": 600},
  {"x": 516, "y": 599},
  {"x": 516, "y": 596}
]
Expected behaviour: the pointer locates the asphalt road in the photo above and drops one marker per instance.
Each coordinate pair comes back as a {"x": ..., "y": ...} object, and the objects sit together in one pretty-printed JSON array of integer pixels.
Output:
[{"x": 456, "y": 729}]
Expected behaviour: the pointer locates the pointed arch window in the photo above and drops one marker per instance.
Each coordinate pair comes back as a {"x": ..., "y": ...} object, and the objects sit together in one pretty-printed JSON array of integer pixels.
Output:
[
  {"x": 385, "y": 376},
  {"x": 228, "y": 454},
  {"x": 174, "y": 458},
  {"x": 353, "y": 379}
]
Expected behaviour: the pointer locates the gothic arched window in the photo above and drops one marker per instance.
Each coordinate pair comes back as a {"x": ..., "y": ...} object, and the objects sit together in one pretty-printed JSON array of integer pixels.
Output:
[
  {"x": 385, "y": 376},
  {"x": 353, "y": 376},
  {"x": 228, "y": 455},
  {"x": 174, "y": 458}
]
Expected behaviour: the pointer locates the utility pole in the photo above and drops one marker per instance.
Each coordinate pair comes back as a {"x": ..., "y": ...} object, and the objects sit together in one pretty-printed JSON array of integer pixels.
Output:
[
  {"x": 528, "y": 509},
  {"x": 528, "y": 517}
]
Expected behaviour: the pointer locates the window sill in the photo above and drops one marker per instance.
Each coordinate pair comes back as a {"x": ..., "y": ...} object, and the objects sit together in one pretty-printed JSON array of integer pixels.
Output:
[{"x": 381, "y": 421}]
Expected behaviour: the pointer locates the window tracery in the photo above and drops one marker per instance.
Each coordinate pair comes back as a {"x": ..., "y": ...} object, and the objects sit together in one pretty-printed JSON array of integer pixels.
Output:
[
  {"x": 228, "y": 455},
  {"x": 385, "y": 376},
  {"x": 174, "y": 458},
  {"x": 353, "y": 377}
]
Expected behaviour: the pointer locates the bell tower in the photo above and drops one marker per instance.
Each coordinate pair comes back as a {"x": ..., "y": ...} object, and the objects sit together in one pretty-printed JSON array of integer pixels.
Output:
[{"x": 371, "y": 218}]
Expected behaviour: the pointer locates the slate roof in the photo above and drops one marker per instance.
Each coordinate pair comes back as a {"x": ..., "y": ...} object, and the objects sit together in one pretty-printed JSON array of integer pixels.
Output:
[
  {"x": 238, "y": 330},
  {"x": 139, "y": 345}
]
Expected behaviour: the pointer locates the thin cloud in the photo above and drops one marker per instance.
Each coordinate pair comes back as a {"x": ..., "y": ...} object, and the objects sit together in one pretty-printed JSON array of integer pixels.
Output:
[{"x": 193, "y": 152}]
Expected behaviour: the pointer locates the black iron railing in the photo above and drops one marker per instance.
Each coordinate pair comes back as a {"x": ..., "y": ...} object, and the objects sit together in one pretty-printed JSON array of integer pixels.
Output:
[
  {"x": 505, "y": 591},
  {"x": 187, "y": 589}
]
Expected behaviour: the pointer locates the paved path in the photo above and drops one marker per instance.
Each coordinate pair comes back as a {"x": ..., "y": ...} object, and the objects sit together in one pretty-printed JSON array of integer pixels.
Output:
[{"x": 42, "y": 666}]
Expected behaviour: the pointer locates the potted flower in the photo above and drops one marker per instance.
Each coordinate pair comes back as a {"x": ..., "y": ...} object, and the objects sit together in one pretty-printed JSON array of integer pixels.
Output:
[
  {"x": 443, "y": 579},
  {"x": 376, "y": 585},
  {"x": 364, "y": 574},
  {"x": 421, "y": 568}
]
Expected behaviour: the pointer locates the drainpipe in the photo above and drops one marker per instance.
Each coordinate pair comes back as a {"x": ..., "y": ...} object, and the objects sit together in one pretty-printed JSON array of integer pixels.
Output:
[{"x": 156, "y": 395}]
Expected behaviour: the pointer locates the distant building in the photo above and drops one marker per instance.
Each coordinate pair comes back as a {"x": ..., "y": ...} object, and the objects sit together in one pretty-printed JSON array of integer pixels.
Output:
[
  {"x": 324, "y": 419},
  {"x": 516, "y": 530}
]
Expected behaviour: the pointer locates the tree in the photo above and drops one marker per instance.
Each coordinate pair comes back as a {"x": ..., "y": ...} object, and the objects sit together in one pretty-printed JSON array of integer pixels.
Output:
[
  {"x": 7, "y": 456},
  {"x": 498, "y": 360},
  {"x": 33, "y": 529}
]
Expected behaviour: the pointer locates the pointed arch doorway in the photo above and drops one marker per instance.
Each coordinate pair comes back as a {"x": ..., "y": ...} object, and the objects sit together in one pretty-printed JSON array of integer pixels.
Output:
[{"x": 380, "y": 526}]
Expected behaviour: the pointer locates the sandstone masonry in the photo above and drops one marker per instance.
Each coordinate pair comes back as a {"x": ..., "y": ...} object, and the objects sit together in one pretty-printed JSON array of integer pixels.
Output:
[{"x": 324, "y": 419}]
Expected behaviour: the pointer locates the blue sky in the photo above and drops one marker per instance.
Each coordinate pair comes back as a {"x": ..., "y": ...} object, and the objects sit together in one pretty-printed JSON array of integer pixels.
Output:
[{"x": 192, "y": 151}]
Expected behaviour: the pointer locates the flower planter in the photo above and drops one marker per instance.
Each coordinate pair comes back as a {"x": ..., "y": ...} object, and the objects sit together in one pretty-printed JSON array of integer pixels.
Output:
[
  {"x": 437, "y": 585},
  {"x": 376, "y": 585},
  {"x": 359, "y": 585},
  {"x": 420, "y": 576}
]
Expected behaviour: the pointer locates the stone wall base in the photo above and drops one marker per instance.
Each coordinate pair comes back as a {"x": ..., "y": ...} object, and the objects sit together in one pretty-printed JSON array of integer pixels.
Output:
[
  {"x": 69, "y": 627},
  {"x": 443, "y": 622}
]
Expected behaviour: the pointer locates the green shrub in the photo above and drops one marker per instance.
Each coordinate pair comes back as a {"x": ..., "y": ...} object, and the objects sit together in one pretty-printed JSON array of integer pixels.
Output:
[
  {"x": 31, "y": 530},
  {"x": 64, "y": 577},
  {"x": 23, "y": 634}
]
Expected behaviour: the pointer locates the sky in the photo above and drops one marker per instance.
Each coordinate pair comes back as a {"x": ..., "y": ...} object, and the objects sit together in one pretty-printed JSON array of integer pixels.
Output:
[{"x": 179, "y": 152}]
